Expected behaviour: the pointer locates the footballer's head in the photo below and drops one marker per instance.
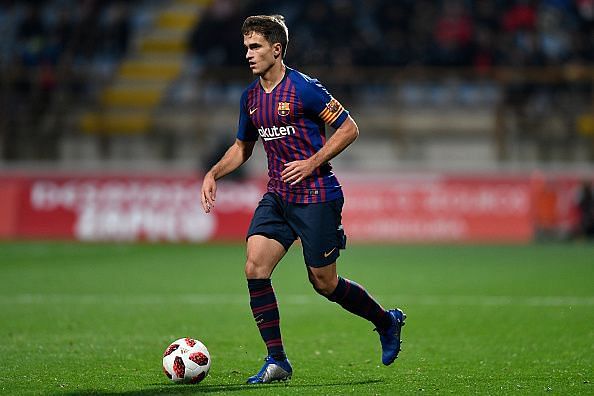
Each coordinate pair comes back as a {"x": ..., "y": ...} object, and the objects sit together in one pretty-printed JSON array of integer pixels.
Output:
[
  {"x": 271, "y": 27},
  {"x": 265, "y": 38}
]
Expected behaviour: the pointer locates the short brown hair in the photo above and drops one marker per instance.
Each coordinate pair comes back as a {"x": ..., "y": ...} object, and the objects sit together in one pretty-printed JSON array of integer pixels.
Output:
[{"x": 271, "y": 27}]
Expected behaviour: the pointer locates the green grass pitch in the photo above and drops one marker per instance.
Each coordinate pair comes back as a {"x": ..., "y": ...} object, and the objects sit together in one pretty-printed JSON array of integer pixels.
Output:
[{"x": 95, "y": 319}]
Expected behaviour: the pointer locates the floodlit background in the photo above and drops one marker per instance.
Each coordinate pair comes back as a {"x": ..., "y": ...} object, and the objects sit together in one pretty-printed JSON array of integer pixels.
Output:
[{"x": 476, "y": 117}]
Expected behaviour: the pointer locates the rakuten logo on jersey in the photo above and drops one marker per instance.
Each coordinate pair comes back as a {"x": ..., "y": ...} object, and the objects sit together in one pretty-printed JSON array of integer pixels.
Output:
[{"x": 275, "y": 132}]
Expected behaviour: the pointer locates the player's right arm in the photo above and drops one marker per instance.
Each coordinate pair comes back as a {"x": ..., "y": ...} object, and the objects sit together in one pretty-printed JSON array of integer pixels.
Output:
[{"x": 235, "y": 156}]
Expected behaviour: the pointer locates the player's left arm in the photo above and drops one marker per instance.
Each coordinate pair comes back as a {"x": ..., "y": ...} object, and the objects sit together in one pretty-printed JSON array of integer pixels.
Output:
[{"x": 346, "y": 134}]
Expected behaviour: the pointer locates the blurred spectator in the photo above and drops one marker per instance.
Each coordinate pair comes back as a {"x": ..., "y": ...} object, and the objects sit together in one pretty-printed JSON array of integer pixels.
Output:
[
  {"x": 484, "y": 51},
  {"x": 63, "y": 28},
  {"x": 115, "y": 31},
  {"x": 553, "y": 21},
  {"x": 453, "y": 35},
  {"x": 216, "y": 38},
  {"x": 87, "y": 31},
  {"x": 485, "y": 14},
  {"x": 31, "y": 26},
  {"x": 424, "y": 15},
  {"x": 31, "y": 36},
  {"x": 520, "y": 16},
  {"x": 313, "y": 35},
  {"x": 585, "y": 13}
]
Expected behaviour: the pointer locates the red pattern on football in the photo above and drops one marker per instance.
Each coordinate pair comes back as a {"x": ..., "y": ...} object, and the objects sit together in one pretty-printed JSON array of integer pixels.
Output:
[
  {"x": 166, "y": 372},
  {"x": 170, "y": 349},
  {"x": 198, "y": 378},
  {"x": 190, "y": 342},
  {"x": 179, "y": 367},
  {"x": 199, "y": 358}
]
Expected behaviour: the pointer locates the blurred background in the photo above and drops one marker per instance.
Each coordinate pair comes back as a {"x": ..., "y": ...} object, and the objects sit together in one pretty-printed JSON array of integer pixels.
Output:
[{"x": 476, "y": 117}]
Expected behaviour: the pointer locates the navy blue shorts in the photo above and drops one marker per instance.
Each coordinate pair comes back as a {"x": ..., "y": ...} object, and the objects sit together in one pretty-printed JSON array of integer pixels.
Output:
[{"x": 318, "y": 225}]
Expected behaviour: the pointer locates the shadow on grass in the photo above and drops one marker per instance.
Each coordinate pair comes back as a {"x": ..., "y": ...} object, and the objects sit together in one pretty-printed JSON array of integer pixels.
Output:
[{"x": 178, "y": 389}]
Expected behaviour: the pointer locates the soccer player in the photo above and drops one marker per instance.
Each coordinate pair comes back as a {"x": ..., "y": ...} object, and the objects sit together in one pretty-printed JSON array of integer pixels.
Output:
[{"x": 288, "y": 111}]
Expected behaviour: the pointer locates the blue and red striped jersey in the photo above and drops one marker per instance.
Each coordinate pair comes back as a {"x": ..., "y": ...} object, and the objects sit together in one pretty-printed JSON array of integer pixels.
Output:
[{"x": 291, "y": 122}]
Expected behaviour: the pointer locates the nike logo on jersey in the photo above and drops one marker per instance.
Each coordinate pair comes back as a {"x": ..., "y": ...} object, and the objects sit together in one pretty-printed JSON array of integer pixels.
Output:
[
  {"x": 329, "y": 253},
  {"x": 252, "y": 111}
]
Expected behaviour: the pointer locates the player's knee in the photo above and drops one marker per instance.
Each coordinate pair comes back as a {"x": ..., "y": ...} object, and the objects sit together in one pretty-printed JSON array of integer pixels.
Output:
[
  {"x": 321, "y": 284},
  {"x": 250, "y": 270},
  {"x": 255, "y": 271}
]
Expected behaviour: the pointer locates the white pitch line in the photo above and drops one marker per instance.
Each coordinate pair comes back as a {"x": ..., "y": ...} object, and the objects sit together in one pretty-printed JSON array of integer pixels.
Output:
[{"x": 292, "y": 299}]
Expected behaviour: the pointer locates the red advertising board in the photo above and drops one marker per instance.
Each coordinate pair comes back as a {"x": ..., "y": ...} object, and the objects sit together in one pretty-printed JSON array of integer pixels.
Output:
[
  {"x": 407, "y": 208},
  {"x": 437, "y": 208},
  {"x": 130, "y": 208},
  {"x": 10, "y": 194}
]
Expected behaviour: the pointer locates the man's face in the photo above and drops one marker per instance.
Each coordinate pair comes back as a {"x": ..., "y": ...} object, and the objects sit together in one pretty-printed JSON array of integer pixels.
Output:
[{"x": 260, "y": 54}]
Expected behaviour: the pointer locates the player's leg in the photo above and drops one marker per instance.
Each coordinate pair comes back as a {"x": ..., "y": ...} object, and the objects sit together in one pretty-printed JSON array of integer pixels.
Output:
[
  {"x": 348, "y": 294},
  {"x": 322, "y": 235},
  {"x": 269, "y": 237},
  {"x": 263, "y": 254},
  {"x": 354, "y": 298}
]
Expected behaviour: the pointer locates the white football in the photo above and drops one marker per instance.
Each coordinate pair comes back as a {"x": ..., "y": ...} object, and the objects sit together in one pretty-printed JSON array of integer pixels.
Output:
[{"x": 186, "y": 360}]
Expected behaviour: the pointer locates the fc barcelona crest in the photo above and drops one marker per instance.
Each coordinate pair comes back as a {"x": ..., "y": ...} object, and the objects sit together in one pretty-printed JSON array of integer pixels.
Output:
[
  {"x": 284, "y": 108},
  {"x": 333, "y": 106}
]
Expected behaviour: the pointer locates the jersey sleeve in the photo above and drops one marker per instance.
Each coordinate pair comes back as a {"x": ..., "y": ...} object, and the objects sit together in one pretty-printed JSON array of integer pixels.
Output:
[
  {"x": 318, "y": 101},
  {"x": 246, "y": 131}
]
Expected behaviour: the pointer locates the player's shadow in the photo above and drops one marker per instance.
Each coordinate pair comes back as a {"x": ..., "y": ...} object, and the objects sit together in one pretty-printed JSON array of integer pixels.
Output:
[{"x": 176, "y": 389}]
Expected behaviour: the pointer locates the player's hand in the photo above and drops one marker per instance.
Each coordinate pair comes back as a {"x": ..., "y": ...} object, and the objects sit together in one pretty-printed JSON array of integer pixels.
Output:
[
  {"x": 296, "y": 171},
  {"x": 208, "y": 193}
]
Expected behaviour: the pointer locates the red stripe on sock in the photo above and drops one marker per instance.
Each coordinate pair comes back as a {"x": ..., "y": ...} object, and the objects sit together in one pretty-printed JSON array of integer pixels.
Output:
[
  {"x": 262, "y": 292},
  {"x": 264, "y": 308},
  {"x": 275, "y": 342},
  {"x": 266, "y": 325}
]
